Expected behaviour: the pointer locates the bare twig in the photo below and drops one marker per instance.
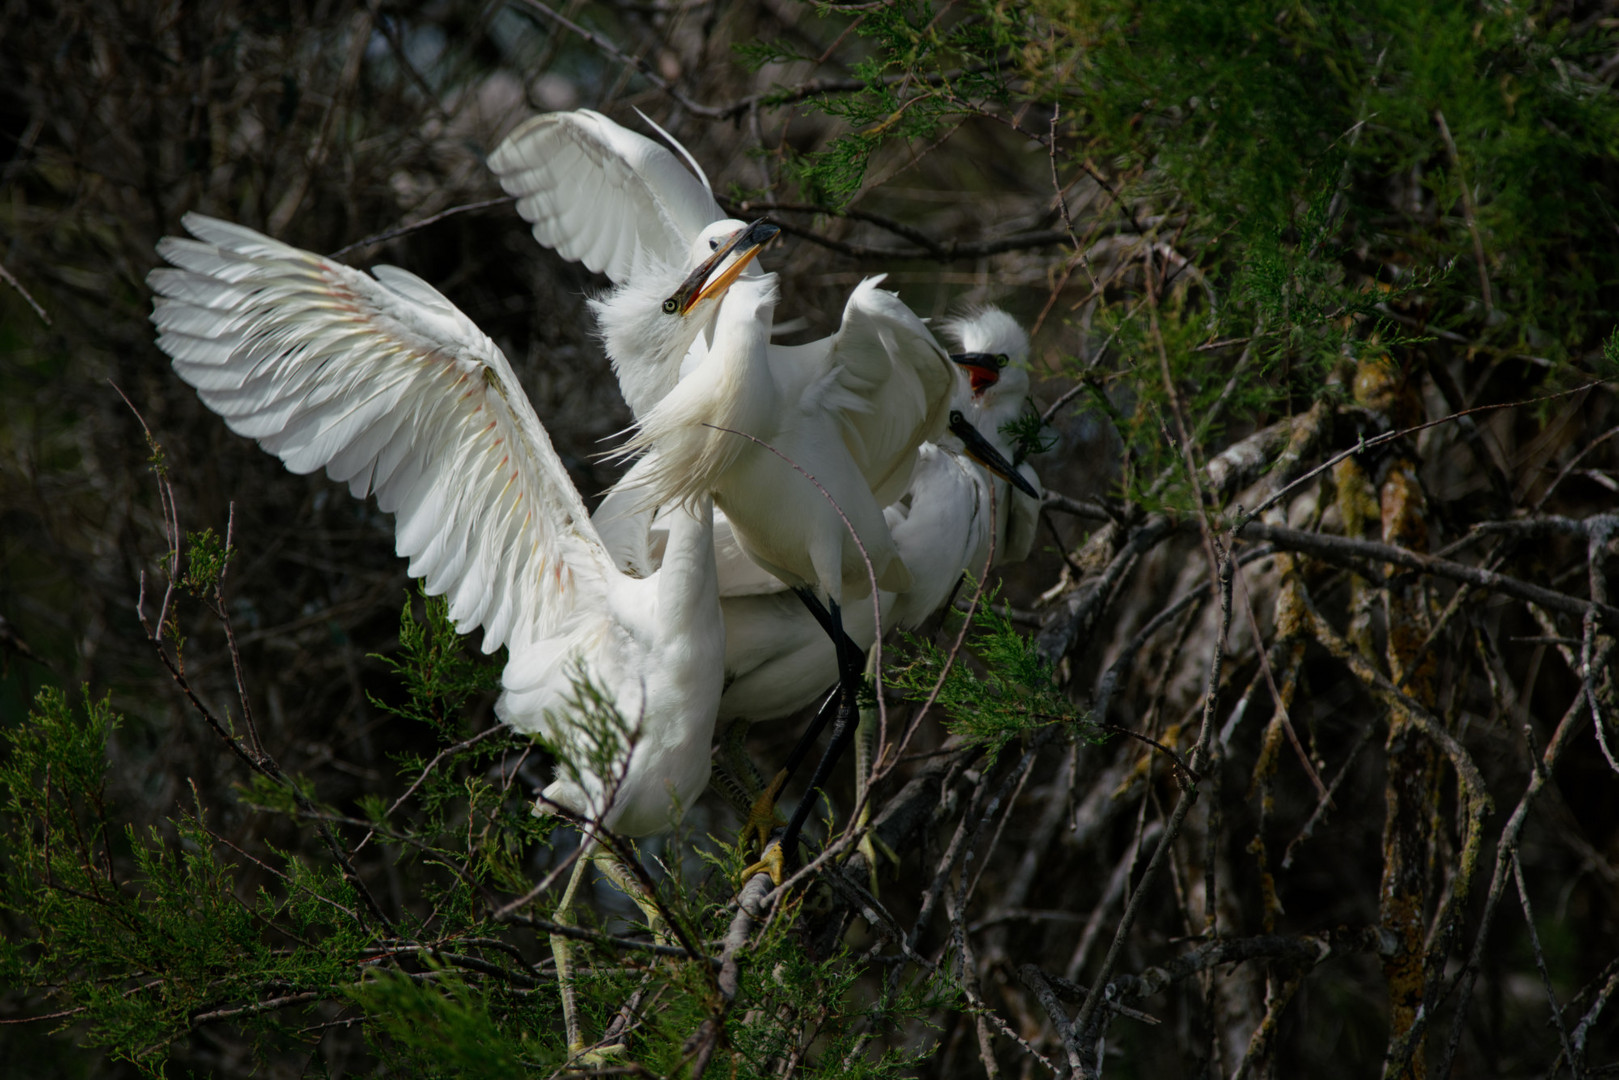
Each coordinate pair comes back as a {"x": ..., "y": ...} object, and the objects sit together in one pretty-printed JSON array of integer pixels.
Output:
[
  {"x": 1390, "y": 436},
  {"x": 1183, "y": 805},
  {"x": 360, "y": 36},
  {"x": 1356, "y": 553},
  {"x": 1467, "y": 210},
  {"x": 431, "y": 219},
  {"x": 6, "y": 276},
  {"x": 1540, "y": 963}
]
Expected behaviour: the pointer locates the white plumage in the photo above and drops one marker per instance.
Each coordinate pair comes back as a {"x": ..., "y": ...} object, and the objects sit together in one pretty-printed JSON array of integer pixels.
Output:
[
  {"x": 777, "y": 659},
  {"x": 877, "y": 388},
  {"x": 597, "y": 193},
  {"x": 394, "y": 391}
]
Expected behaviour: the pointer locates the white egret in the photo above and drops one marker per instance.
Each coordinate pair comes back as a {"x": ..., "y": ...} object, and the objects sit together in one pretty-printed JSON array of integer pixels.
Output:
[
  {"x": 943, "y": 523},
  {"x": 777, "y": 659},
  {"x": 767, "y": 435},
  {"x": 623, "y": 205},
  {"x": 849, "y": 410},
  {"x": 393, "y": 390},
  {"x": 626, "y": 206}
]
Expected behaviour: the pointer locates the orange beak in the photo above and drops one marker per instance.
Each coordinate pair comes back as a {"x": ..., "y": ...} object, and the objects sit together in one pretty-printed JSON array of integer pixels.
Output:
[{"x": 745, "y": 245}]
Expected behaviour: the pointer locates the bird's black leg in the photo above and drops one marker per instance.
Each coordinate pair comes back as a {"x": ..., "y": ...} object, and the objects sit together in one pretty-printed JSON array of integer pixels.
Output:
[
  {"x": 848, "y": 653},
  {"x": 812, "y": 732},
  {"x": 762, "y": 820},
  {"x": 842, "y": 708},
  {"x": 847, "y": 718}
]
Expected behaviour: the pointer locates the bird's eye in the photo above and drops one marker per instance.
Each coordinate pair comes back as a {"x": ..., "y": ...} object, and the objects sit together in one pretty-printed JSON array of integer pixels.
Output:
[
  {"x": 714, "y": 244},
  {"x": 1001, "y": 360},
  {"x": 670, "y": 306},
  {"x": 956, "y": 417}
]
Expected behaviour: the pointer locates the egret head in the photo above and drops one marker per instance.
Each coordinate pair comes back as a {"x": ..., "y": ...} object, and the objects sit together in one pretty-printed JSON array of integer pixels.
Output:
[
  {"x": 650, "y": 321},
  {"x": 731, "y": 247},
  {"x": 994, "y": 349},
  {"x": 976, "y": 445},
  {"x": 994, "y": 352}
]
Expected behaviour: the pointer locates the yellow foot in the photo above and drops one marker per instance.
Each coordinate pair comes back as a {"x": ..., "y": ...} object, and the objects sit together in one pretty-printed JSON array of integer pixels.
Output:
[
  {"x": 763, "y": 819},
  {"x": 772, "y": 862},
  {"x": 591, "y": 1058},
  {"x": 870, "y": 844}
]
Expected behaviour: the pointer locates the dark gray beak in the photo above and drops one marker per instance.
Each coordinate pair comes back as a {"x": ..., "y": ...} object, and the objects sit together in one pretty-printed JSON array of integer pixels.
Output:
[{"x": 982, "y": 451}]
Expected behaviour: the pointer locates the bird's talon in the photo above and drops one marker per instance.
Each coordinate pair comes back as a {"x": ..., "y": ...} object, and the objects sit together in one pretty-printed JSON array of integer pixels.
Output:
[
  {"x": 870, "y": 844},
  {"x": 763, "y": 818},
  {"x": 772, "y": 862},
  {"x": 582, "y": 1058}
]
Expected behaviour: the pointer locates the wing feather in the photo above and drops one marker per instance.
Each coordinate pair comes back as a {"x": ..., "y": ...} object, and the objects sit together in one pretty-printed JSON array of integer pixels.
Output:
[
  {"x": 395, "y": 392},
  {"x": 888, "y": 380},
  {"x": 595, "y": 191}
]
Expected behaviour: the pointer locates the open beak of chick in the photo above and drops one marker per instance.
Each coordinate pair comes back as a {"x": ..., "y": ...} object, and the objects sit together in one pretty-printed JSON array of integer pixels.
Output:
[
  {"x": 983, "y": 369},
  {"x": 729, "y": 261},
  {"x": 982, "y": 451}
]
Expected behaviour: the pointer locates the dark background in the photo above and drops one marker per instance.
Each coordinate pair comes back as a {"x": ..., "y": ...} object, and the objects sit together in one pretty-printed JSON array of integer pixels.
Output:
[{"x": 328, "y": 123}]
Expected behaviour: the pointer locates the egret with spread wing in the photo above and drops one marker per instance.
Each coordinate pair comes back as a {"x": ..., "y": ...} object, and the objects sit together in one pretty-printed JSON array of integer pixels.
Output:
[
  {"x": 389, "y": 387},
  {"x": 625, "y": 206},
  {"x": 849, "y": 410},
  {"x": 777, "y": 660},
  {"x": 628, "y": 207},
  {"x": 768, "y": 433}
]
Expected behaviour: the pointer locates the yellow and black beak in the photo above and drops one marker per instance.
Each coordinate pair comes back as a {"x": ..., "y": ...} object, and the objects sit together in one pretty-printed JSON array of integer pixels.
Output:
[
  {"x": 745, "y": 244},
  {"x": 983, "y": 369},
  {"x": 982, "y": 451}
]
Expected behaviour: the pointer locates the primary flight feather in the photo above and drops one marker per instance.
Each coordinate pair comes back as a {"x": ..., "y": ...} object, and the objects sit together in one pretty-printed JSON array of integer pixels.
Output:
[{"x": 388, "y": 386}]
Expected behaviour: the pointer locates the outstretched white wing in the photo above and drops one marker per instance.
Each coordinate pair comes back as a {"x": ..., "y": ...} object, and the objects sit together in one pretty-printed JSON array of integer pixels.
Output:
[
  {"x": 595, "y": 191},
  {"x": 888, "y": 379},
  {"x": 389, "y": 386}
]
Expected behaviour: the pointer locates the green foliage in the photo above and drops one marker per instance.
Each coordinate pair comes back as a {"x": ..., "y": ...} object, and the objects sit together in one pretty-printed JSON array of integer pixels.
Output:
[
  {"x": 1317, "y": 170},
  {"x": 206, "y": 559},
  {"x": 918, "y": 73},
  {"x": 434, "y": 668},
  {"x": 1017, "y": 692},
  {"x": 136, "y": 933},
  {"x": 434, "y": 1024},
  {"x": 1277, "y": 130},
  {"x": 142, "y": 935},
  {"x": 756, "y": 54},
  {"x": 1608, "y": 359},
  {"x": 1028, "y": 435},
  {"x": 464, "y": 819}
]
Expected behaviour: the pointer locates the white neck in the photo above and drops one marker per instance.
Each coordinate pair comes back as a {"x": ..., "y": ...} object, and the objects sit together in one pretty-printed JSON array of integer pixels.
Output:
[
  {"x": 691, "y": 432},
  {"x": 688, "y": 585}
]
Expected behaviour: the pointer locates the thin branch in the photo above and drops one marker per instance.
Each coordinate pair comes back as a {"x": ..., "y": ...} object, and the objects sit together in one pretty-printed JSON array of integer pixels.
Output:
[
  {"x": 1275, "y": 694},
  {"x": 1540, "y": 963},
  {"x": 6, "y": 276},
  {"x": 1177, "y": 818},
  {"x": 1467, "y": 210},
  {"x": 773, "y": 98},
  {"x": 1032, "y": 977},
  {"x": 433, "y": 219},
  {"x": 1354, "y": 553},
  {"x": 427, "y": 771},
  {"x": 952, "y": 251},
  {"x": 1389, "y": 436}
]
